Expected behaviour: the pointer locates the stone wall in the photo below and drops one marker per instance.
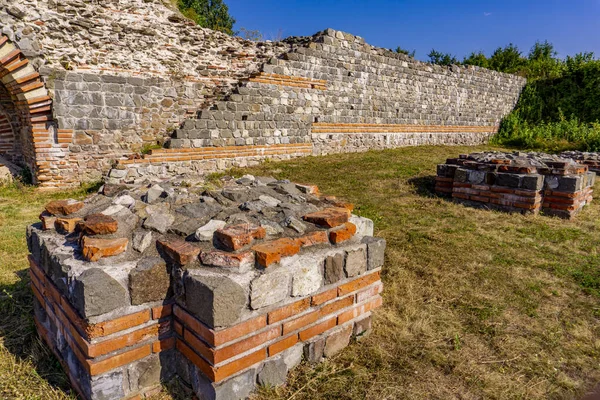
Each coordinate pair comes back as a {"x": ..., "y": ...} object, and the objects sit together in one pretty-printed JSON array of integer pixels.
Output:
[
  {"x": 225, "y": 288},
  {"x": 125, "y": 76}
]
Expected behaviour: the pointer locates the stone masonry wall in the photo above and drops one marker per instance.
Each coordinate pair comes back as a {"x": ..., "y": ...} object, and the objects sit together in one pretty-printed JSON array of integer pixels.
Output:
[{"x": 126, "y": 75}]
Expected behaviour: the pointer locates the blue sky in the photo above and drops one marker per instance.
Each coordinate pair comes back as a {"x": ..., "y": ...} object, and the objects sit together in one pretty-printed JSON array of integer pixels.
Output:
[{"x": 454, "y": 26}]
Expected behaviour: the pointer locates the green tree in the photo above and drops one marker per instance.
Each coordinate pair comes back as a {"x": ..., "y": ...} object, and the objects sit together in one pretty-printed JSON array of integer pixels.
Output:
[
  {"x": 400, "y": 50},
  {"x": 439, "y": 58},
  {"x": 478, "y": 59},
  {"x": 212, "y": 14},
  {"x": 507, "y": 59},
  {"x": 543, "y": 62}
]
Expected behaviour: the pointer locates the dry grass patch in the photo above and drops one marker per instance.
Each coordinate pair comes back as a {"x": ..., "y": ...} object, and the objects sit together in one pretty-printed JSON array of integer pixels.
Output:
[{"x": 477, "y": 304}]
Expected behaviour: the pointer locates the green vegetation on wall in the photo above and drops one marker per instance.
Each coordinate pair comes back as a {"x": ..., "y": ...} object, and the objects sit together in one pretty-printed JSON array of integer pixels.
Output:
[
  {"x": 212, "y": 14},
  {"x": 559, "y": 108}
]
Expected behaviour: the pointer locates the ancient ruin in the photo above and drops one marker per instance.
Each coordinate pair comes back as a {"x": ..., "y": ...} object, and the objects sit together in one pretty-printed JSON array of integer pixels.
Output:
[
  {"x": 224, "y": 288},
  {"x": 87, "y": 86},
  {"x": 517, "y": 182}
]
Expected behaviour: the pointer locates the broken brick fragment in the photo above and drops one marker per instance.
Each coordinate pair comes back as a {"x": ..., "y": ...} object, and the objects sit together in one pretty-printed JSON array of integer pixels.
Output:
[
  {"x": 178, "y": 250},
  {"x": 224, "y": 259},
  {"x": 48, "y": 220},
  {"x": 100, "y": 224},
  {"x": 309, "y": 189},
  {"x": 64, "y": 207},
  {"x": 329, "y": 217},
  {"x": 66, "y": 225},
  {"x": 271, "y": 252},
  {"x": 342, "y": 233},
  {"x": 313, "y": 238},
  {"x": 96, "y": 248},
  {"x": 234, "y": 237}
]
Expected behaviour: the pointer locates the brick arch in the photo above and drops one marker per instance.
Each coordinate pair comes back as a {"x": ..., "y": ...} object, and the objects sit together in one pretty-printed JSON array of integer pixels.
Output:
[{"x": 25, "y": 102}]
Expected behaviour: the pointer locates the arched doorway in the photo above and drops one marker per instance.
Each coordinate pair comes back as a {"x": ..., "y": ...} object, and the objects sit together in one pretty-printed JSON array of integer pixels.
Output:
[{"x": 27, "y": 128}]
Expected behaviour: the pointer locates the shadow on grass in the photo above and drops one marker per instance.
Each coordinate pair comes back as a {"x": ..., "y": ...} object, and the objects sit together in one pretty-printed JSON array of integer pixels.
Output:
[
  {"x": 20, "y": 337},
  {"x": 424, "y": 185}
]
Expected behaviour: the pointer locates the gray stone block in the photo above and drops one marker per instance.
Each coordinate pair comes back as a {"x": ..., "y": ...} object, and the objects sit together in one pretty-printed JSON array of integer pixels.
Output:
[
  {"x": 273, "y": 372},
  {"x": 375, "y": 252},
  {"x": 238, "y": 387},
  {"x": 95, "y": 293},
  {"x": 313, "y": 350},
  {"x": 356, "y": 261},
  {"x": 337, "y": 340},
  {"x": 270, "y": 288},
  {"x": 532, "y": 182},
  {"x": 334, "y": 268},
  {"x": 508, "y": 180},
  {"x": 216, "y": 300}
]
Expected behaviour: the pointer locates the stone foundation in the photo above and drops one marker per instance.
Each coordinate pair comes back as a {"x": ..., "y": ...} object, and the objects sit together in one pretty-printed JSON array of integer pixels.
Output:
[
  {"x": 517, "y": 182},
  {"x": 224, "y": 288}
]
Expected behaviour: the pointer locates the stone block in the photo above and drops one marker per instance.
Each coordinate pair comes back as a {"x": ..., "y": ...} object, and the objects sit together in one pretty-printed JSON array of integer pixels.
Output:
[
  {"x": 334, "y": 268},
  {"x": 95, "y": 293},
  {"x": 356, "y": 261},
  {"x": 270, "y": 288},
  {"x": 364, "y": 226},
  {"x": 216, "y": 300},
  {"x": 313, "y": 349},
  {"x": 375, "y": 252},
  {"x": 273, "y": 372},
  {"x": 307, "y": 274},
  {"x": 149, "y": 281},
  {"x": 337, "y": 340},
  {"x": 238, "y": 387}
]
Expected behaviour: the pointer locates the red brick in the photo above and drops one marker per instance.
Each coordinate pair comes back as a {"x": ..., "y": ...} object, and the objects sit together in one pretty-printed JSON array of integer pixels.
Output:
[
  {"x": 48, "y": 220},
  {"x": 288, "y": 311},
  {"x": 199, "y": 346},
  {"x": 317, "y": 329},
  {"x": 118, "y": 324},
  {"x": 198, "y": 361},
  {"x": 282, "y": 345},
  {"x": 342, "y": 233},
  {"x": 239, "y": 330},
  {"x": 64, "y": 207},
  {"x": 242, "y": 346},
  {"x": 313, "y": 238},
  {"x": 298, "y": 323},
  {"x": 95, "y": 248},
  {"x": 130, "y": 339},
  {"x": 99, "y": 367},
  {"x": 357, "y": 284},
  {"x": 100, "y": 224},
  {"x": 329, "y": 217},
  {"x": 460, "y": 196},
  {"x": 162, "y": 311},
  {"x": 359, "y": 310},
  {"x": 499, "y": 189},
  {"x": 480, "y": 199},
  {"x": 178, "y": 328},
  {"x": 336, "y": 305},
  {"x": 66, "y": 225},
  {"x": 163, "y": 345},
  {"x": 178, "y": 250},
  {"x": 235, "y": 237},
  {"x": 369, "y": 292},
  {"x": 321, "y": 298},
  {"x": 271, "y": 252},
  {"x": 239, "y": 365}
]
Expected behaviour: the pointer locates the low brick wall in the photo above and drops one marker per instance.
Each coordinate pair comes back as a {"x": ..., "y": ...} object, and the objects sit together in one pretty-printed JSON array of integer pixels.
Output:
[
  {"x": 225, "y": 288},
  {"x": 517, "y": 183}
]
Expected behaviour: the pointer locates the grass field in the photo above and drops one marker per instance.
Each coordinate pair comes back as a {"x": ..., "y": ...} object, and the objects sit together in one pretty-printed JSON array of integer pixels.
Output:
[{"x": 477, "y": 304}]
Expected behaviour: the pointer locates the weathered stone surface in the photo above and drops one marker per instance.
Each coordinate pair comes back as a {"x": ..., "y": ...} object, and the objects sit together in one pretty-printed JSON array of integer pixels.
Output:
[
  {"x": 362, "y": 327},
  {"x": 334, "y": 268},
  {"x": 307, "y": 275},
  {"x": 100, "y": 224},
  {"x": 95, "y": 248},
  {"x": 64, "y": 207},
  {"x": 364, "y": 226},
  {"x": 142, "y": 239},
  {"x": 237, "y": 388},
  {"x": 294, "y": 224},
  {"x": 293, "y": 356},
  {"x": 178, "y": 250},
  {"x": 337, "y": 340},
  {"x": 48, "y": 220},
  {"x": 216, "y": 300},
  {"x": 269, "y": 288},
  {"x": 95, "y": 293},
  {"x": 375, "y": 251},
  {"x": 205, "y": 233},
  {"x": 105, "y": 387},
  {"x": 159, "y": 219},
  {"x": 273, "y": 372},
  {"x": 144, "y": 373},
  {"x": 313, "y": 350},
  {"x": 153, "y": 194},
  {"x": 149, "y": 281},
  {"x": 356, "y": 261},
  {"x": 240, "y": 262}
]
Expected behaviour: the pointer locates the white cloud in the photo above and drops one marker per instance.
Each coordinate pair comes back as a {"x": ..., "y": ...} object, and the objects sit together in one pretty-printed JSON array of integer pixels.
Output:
[{"x": 487, "y": 14}]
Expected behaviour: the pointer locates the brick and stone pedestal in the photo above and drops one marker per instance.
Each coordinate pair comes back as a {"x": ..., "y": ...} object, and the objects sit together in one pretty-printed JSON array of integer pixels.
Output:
[
  {"x": 517, "y": 182},
  {"x": 224, "y": 288}
]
